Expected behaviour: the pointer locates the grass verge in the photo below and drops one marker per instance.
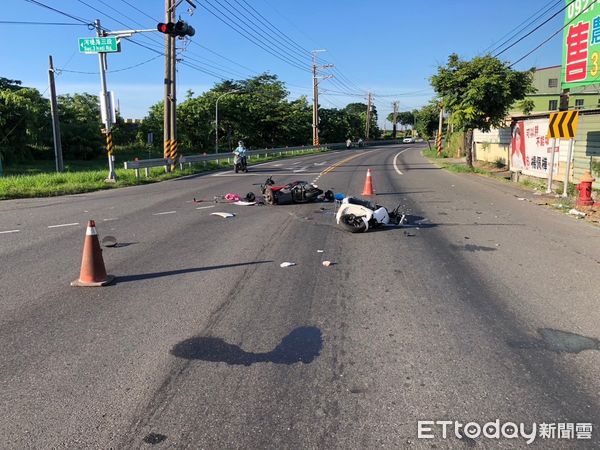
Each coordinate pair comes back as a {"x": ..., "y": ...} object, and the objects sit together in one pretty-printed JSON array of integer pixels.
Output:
[{"x": 77, "y": 182}]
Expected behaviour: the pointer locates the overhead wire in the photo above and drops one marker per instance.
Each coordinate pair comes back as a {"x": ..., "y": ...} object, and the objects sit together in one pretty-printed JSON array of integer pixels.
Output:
[
  {"x": 521, "y": 27},
  {"x": 554, "y": 34},
  {"x": 272, "y": 46},
  {"x": 534, "y": 30},
  {"x": 13, "y": 22},
  {"x": 43, "y": 5}
]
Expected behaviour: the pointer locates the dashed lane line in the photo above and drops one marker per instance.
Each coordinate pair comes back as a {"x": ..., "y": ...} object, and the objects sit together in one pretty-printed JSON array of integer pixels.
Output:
[
  {"x": 9, "y": 231},
  {"x": 64, "y": 225},
  {"x": 163, "y": 213}
]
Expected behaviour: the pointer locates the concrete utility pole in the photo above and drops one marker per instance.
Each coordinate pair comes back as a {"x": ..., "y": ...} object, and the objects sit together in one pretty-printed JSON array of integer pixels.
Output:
[
  {"x": 58, "y": 156},
  {"x": 394, "y": 130},
  {"x": 367, "y": 125},
  {"x": 105, "y": 104},
  {"x": 315, "y": 71},
  {"x": 170, "y": 101},
  {"x": 438, "y": 140}
]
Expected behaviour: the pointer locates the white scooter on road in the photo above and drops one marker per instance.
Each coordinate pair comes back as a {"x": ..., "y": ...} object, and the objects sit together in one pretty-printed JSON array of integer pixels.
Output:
[{"x": 357, "y": 216}]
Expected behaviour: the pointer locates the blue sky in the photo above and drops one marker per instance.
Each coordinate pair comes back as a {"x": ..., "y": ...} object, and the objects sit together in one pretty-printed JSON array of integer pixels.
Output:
[{"x": 388, "y": 47}]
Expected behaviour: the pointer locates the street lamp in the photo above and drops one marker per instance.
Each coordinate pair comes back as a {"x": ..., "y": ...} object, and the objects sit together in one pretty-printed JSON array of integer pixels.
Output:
[{"x": 217, "y": 118}]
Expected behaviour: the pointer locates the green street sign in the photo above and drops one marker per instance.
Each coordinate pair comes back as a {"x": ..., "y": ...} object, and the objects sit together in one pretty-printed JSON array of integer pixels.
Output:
[
  {"x": 581, "y": 44},
  {"x": 98, "y": 45}
]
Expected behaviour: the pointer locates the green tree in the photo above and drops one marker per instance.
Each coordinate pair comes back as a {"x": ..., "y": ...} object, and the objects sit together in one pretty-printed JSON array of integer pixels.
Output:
[
  {"x": 24, "y": 121},
  {"x": 427, "y": 119},
  {"x": 153, "y": 123},
  {"x": 479, "y": 93},
  {"x": 80, "y": 126}
]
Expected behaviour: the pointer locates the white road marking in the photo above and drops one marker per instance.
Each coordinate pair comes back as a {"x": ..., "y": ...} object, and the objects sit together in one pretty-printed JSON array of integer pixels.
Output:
[
  {"x": 321, "y": 163},
  {"x": 302, "y": 169},
  {"x": 395, "y": 165},
  {"x": 205, "y": 207},
  {"x": 9, "y": 231},
  {"x": 163, "y": 213},
  {"x": 111, "y": 219},
  {"x": 263, "y": 174},
  {"x": 63, "y": 225}
]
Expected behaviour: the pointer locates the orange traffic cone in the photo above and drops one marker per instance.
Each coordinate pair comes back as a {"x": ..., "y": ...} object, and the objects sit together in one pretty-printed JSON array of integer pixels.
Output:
[
  {"x": 368, "y": 189},
  {"x": 93, "y": 272}
]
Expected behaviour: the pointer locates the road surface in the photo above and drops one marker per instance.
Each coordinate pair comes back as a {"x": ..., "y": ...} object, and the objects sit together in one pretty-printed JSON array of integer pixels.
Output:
[{"x": 486, "y": 309}]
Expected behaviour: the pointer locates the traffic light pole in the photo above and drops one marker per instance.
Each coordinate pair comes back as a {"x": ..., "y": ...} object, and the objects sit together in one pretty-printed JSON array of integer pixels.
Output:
[
  {"x": 105, "y": 104},
  {"x": 170, "y": 102}
]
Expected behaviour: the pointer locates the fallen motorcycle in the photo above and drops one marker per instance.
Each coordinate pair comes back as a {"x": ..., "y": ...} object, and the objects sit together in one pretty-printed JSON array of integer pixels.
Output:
[
  {"x": 295, "y": 192},
  {"x": 357, "y": 216}
]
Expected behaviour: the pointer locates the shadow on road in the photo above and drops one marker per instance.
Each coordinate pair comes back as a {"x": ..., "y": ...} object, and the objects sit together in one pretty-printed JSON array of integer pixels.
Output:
[
  {"x": 168, "y": 273},
  {"x": 557, "y": 341},
  {"x": 303, "y": 344}
]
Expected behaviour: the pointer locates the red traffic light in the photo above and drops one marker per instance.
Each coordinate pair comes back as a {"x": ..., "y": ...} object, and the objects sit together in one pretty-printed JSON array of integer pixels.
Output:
[{"x": 166, "y": 28}]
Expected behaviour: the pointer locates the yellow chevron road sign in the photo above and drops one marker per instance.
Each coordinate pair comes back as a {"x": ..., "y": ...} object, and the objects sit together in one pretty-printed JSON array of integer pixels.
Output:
[{"x": 563, "y": 125}]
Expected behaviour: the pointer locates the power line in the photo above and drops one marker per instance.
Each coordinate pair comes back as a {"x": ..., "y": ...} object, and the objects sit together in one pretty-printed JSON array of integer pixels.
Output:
[
  {"x": 79, "y": 19},
  {"x": 11, "y": 22},
  {"x": 140, "y": 11},
  {"x": 553, "y": 34},
  {"x": 303, "y": 51},
  {"x": 520, "y": 28},
  {"x": 534, "y": 30},
  {"x": 271, "y": 46},
  {"x": 59, "y": 70}
]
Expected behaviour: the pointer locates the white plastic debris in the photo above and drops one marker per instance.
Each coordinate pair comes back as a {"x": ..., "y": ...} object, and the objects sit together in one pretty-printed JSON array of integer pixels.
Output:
[
  {"x": 521, "y": 198},
  {"x": 320, "y": 251},
  {"x": 224, "y": 215},
  {"x": 574, "y": 212},
  {"x": 287, "y": 264},
  {"x": 243, "y": 203},
  {"x": 327, "y": 263}
]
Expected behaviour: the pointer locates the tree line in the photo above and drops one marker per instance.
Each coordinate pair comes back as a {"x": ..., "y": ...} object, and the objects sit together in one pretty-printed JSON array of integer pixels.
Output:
[{"x": 256, "y": 110}]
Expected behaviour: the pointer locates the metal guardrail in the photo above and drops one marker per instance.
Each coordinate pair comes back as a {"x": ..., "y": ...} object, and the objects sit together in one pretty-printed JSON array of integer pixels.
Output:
[
  {"x": 147, "y": 164},
  {"x": 204, "y": 158}
]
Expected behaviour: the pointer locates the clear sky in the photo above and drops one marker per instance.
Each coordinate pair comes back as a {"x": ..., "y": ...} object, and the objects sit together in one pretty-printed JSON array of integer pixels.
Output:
[{"x": 390, "y": 47}]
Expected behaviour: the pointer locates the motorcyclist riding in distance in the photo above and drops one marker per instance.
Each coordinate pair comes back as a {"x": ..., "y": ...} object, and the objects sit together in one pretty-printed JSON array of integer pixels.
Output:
[{"x": 240, "y": 152}]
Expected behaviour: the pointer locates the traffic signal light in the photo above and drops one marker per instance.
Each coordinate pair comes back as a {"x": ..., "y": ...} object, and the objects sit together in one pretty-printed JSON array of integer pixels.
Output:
[
  {"x": 166, "y": 28},
  {"x": 184, "y": 29},
  {"x": 179, "y": 29}
]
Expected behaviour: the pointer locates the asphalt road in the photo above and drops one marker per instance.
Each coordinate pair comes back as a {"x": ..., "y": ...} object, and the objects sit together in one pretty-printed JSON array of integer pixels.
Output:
[{"x": 486, "y": 308}]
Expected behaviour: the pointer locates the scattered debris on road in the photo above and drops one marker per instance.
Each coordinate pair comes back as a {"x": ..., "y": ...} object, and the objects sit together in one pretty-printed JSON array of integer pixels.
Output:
[
  {"x": 327, "y": 263},
  {"x": 224, "y": 215},
  {"x": 287, "y": 264},
  {"x": 577, "y": 213}
]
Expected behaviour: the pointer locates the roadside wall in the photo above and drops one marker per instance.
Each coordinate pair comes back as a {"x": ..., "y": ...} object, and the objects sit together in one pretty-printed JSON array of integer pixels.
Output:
[
  {"x": 527, "y": 149},
  {"x": 492, "y": 146}
]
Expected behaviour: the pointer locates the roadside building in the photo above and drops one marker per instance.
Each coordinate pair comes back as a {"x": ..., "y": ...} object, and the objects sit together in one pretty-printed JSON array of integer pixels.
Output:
[{"x": 523, "y": 144}]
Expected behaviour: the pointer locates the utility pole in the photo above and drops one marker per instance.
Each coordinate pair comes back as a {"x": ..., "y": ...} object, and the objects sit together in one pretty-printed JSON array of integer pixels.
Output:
[
  {"x": 170, "y": 104},
  {"x": 395, "y": 116},
  {"x": 315, "y": 71},
  {"x": 105, "y": 104},
  {"x": 367, "y": 125},
  {"x": 58, "y": 156},
  {"x": 438, "y": 140}
]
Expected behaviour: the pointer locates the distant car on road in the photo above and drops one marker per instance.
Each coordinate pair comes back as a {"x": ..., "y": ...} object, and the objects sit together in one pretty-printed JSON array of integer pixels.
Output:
[{"x": 408, "y": 140}]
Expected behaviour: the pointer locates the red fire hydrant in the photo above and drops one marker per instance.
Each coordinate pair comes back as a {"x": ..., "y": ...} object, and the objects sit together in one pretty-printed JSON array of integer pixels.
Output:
[{"x": 585, "y": 190}]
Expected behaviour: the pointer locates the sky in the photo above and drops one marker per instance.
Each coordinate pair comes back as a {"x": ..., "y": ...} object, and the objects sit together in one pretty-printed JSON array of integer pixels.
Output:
[{"x": 388, "y": 47}]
